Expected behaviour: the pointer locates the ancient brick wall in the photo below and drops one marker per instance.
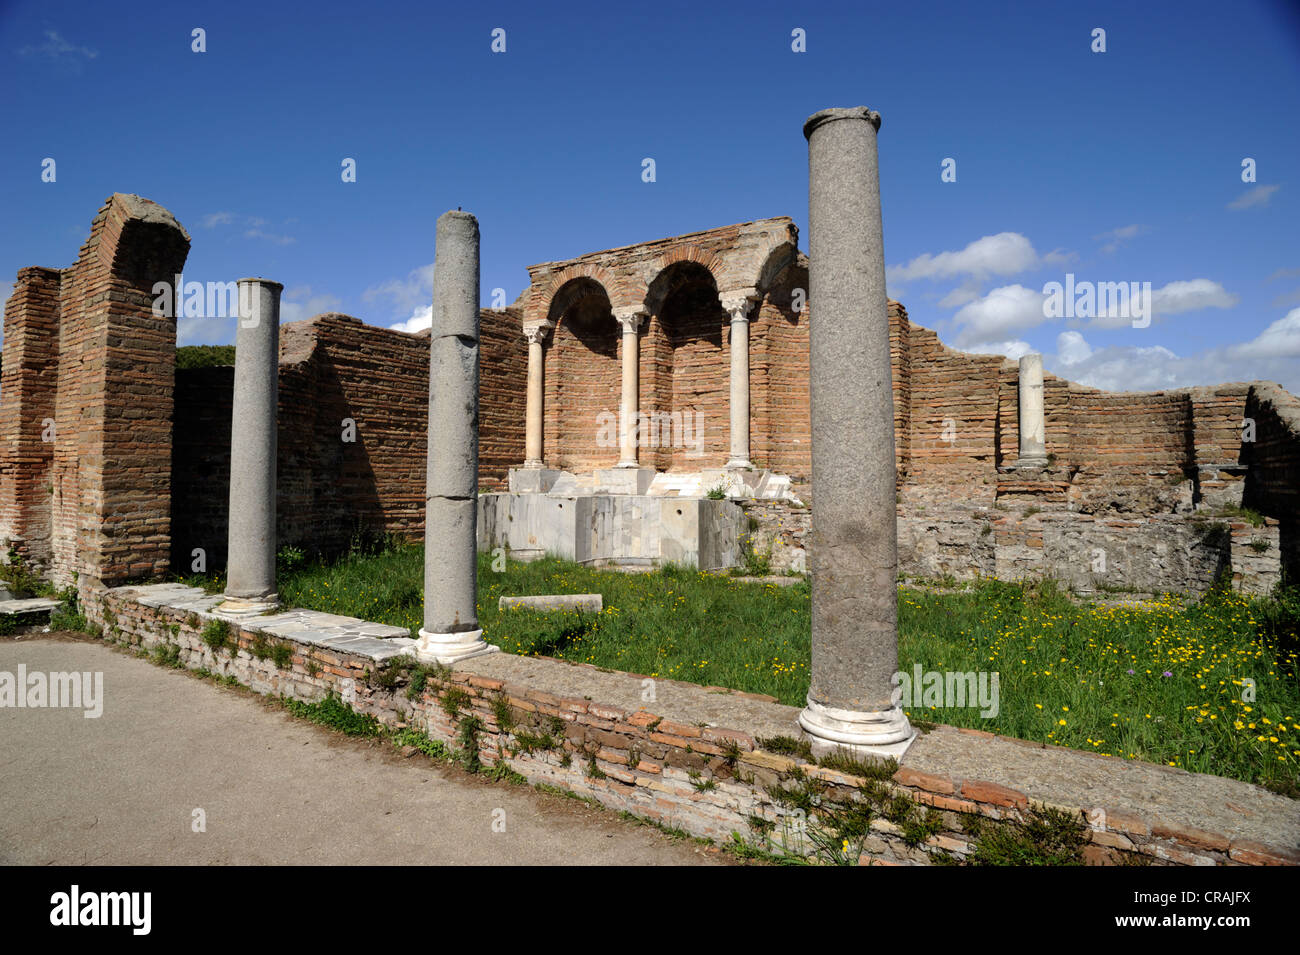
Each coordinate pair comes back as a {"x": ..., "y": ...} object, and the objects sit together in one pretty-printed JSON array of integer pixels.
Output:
[
  {"x": 27, "y": 386},
  {"x": 201, "y": 467},
  {"x": 583, "y": 375},
  {"x": 696, "y": 328},
  {"x": 779, "y": 411},
  {"x": 1272, "y": 484},
  {"x": 83, "y": 347},
  {"x": 353, "y": 408},
  {"x": 953, "y": 416}
]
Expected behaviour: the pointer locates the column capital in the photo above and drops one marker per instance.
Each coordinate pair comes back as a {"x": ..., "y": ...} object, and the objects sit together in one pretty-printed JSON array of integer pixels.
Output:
[
  {"x": 537, "y": 331},
  {"x": 738, "y": 302},
  {"x": 631, "y": 318}
]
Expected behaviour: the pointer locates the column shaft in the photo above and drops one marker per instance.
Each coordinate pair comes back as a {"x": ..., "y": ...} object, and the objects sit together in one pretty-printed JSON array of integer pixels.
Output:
[
  {"x": 1033, "y": 427},
  {"x": 854, "y": 524},
  {"x": 628, "y": 430},
  {"x": 250, "y": 565},
  {"x": 739, "y": 401},
  {"x": 536, "y": 392},
  {"x": 451, "y": 631}
]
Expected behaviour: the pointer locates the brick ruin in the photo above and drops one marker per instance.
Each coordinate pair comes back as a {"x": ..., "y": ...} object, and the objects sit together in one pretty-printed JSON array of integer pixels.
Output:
[{"x": 114, "y": 466}]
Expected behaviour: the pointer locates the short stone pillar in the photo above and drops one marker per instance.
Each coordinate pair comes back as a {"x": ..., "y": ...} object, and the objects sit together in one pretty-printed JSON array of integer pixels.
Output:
[
  {"x": 1033, "y": 424},
  {"x": 628, "y": 420},
  {"x": 854, "y": 526},
  {"x": 451, "y": 631},
  {"x": 250, "y": 564},
  {"x": 536, "y": 335},
  {"x": 737, "y": 306}
]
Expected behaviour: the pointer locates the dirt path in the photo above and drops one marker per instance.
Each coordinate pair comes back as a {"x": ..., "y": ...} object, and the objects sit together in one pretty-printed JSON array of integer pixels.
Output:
[{"x": 123, "y": 788}]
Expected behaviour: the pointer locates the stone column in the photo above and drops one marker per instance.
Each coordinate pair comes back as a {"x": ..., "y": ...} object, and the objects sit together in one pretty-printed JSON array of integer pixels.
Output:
[
  {"x": 1033, "y": 427},
  {"x": 628, "y": 405},
  {"x": 737, "y": 305},
  {"x": 854, "y": 524},
  {"x": 451, "y": 631},
  {"x": 536, "y": 335},
  {"x": 250, "y": 564}
]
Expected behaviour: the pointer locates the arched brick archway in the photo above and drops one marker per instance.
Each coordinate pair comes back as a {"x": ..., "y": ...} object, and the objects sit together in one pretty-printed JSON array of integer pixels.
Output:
[
  {"x": 582, "y": 377},
  {"x": 684, "y": 370}
]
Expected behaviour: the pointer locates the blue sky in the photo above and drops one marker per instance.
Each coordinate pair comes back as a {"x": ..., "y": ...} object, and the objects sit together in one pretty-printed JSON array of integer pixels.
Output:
[{"x": 1115, "y": 166}]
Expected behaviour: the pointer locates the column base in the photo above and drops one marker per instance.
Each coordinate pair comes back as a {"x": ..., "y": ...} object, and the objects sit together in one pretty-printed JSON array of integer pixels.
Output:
[
  {"x": 534, "y": 463},
  {"x": 1033, "y": 461},
  {"x": 739, "y": 464},
  {"x": 632, "y": 479},
  {"x": 248, "y": 606},
  {"x": 449, "y": 648},
  {"x": 882, "y": 734},
  {"x": 532, "y": 480}
]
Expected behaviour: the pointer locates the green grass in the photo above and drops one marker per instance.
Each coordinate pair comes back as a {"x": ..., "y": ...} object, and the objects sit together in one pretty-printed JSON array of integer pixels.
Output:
[{"x": 1064, "y": 667}]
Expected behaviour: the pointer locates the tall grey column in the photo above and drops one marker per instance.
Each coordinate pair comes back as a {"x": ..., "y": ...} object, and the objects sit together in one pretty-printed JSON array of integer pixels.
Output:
[
  {"x": 250, "y": 566},
  {"x": 1033, "y": 426},
  {"x": 854, "y": 524},
  {"x": 451, "y": 631},
  {"x": 737, "y": 306},
  {"x": 628, "y": 421}
]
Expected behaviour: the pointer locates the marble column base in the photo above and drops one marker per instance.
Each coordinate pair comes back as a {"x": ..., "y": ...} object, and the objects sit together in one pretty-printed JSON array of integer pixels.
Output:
[
  {"x": 878, "y": 733},
  {"x": 449, "y": 648},
  {"x": 248, "y": 606},
  {"x": 1031, "y": 462},
  {"x": 531, "y": 479}
]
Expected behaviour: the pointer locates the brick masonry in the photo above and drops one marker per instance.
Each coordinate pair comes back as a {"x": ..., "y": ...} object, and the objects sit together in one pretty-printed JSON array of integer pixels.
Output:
[
  {"x": 132, "y": 486},
  {"x": 684, "y": 761},
  {"x": 88, "y": 493}
]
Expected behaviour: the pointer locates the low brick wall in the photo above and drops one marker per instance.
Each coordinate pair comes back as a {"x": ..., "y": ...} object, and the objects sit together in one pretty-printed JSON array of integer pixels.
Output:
[{"x": 682, "y": 761}]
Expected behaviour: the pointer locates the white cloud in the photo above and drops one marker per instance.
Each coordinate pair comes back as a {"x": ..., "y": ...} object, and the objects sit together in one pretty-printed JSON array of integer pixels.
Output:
[
  {"x": 299, "y": 303},
  {"x": 1004, "y": 310},
  {"x": 205, "y": 331},
  {"x": 270, "y": 237},
  {"x": 1286, "y": 298},
  {"x": 421, "y": 319},
  {"x": 1190, "y": 296},
  {"x": 407, "y": 296},
  {"x": 964, "y": 293},
  {"x": 1071, "y": 348},
  {"x": 1269, "y": 356},
  {"x": 1172, "y": 298},
  {"x": 57, "y": 48},
  {"x": 1259, "y": 196},
  {"x": 1014, "y": 348},
  {"x": 252, "y": 226},
  {"x": 1006, "y": 253},
  {"x": 1279, "y": 340},
  {"x": 1117, "y": 237}
]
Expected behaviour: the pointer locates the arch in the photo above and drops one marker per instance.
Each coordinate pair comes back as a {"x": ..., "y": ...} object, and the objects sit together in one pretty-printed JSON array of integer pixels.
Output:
[
  {"x": 779, "y": 258},
  {"x": 685, "y": 358},
  {"x": 582, "y": 375},
  {"x": 678, "y": 254},
  {"x": 544, "y": 293}
]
